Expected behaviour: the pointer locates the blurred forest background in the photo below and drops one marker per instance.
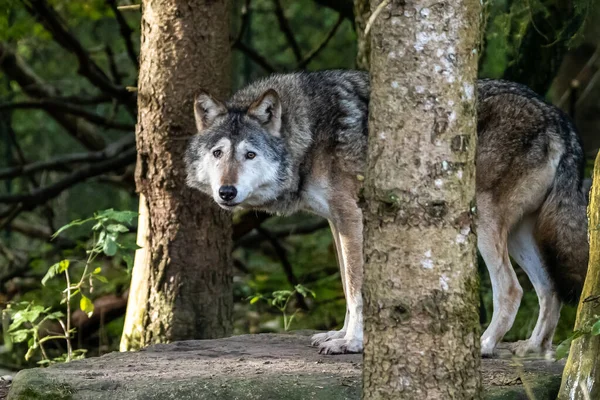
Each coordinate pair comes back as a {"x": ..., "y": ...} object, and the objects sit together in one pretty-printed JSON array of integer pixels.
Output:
[{"x": 68, "y": 71}]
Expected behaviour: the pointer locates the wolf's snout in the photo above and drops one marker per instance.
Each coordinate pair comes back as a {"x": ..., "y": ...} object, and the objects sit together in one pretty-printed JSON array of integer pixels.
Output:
[{"x": 227, "y": 193}]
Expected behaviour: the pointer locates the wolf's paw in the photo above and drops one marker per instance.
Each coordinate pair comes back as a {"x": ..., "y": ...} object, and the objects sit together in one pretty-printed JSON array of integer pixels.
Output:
[
  {"x": 341, "y": 346},
  {"x": 319, "y": 338},
  {"x": 488, "y": 349},
  {"x": 523, "y": 348}
]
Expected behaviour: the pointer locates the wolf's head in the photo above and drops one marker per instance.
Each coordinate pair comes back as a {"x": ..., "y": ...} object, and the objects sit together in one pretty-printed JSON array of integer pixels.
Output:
[{"x": 239, "y": 154}]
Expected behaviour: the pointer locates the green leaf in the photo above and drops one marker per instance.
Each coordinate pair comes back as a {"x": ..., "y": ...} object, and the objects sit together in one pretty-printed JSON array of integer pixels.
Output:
[
  {"x": 117, "y": 228},
  {"x": 254, "y": 299},
  {"x": 63, "y": 266},
  {"x": 97, "y": 270},
  {"x": 30, "y": 315},
  {"x": 55, "y": 269},
  {"x": 101, "y": 278},
  {"x": 110, "y": 246},
  {"x": 118, "y": 216},
  {"x": 279, "y": 294},
  {"x": 79, "y": 354},
  {"x": 86, "y": 305},
  {"x": 52, "y": 271},
  {"x": 55, "y": 315},
  {"x": 101, "y": 239},
  {"x": 562, "y": 350},
  {"x": 71, "y": 224},
  {"x": 20, "y": 335},
  {"x": 304, "y": 291},
  {"x": 596, "y": 328}
]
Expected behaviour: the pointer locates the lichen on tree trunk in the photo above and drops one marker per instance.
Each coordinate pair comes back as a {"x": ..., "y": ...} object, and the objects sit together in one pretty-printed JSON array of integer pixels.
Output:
[
  {"x": 581, "y": 376},
  {"x": 182, "y": 278},
  {"x": 421, "y": 284}
]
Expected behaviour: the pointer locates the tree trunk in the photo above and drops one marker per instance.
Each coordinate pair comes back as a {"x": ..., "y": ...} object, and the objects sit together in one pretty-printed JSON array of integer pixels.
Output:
[
  {"x": 581, "y": 377},
  {"x": 421, "y": 284},
  {"x": 182, "y": 280}
]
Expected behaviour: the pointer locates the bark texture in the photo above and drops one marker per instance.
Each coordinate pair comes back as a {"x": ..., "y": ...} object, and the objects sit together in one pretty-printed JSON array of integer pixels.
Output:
[
  {"x": 182, "y": 278},
  {"x": 421, "y": 283},
  {"x": 581, "y": 376}
]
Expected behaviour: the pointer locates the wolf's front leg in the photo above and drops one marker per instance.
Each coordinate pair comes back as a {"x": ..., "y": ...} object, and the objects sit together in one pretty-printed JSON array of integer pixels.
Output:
[
  {"x": 319, "y": 338},
  {"x": 347, "y": 222}
]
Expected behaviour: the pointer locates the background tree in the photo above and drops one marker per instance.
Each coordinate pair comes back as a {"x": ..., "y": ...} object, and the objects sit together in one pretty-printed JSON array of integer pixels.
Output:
[
  {"x": 182, "y": 278},
  {"x": 420, "y": 290},
  {"x": 581, "y": 375}
]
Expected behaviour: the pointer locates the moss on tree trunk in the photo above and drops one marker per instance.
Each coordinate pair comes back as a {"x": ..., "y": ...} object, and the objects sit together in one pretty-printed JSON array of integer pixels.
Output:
[
  {"x": 182, "y": 280},
  {"x": 421, "y": 319},
  {"x": 581, "y": 377}
]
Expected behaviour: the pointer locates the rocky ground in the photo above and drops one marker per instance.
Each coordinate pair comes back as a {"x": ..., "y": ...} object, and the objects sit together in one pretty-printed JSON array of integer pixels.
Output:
[{"x": 266, "y": 366}]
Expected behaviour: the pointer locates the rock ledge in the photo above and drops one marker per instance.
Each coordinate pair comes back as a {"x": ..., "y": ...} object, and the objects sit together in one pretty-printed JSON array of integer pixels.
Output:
[{"x": 266, "y": 366}]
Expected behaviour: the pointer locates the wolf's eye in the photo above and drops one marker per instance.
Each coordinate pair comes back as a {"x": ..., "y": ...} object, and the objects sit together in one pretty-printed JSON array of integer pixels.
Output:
[
  {"x": 250, "y": 155},
  {"x": 217, "y": 153}
]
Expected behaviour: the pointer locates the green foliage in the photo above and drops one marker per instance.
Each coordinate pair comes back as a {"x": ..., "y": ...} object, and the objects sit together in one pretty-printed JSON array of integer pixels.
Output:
[
  {"x": 280, "y": 300},
  {"x": 526, "y": 40},
  {"x": 28, "y": 317},
  {"x": 592, "y": 329}
]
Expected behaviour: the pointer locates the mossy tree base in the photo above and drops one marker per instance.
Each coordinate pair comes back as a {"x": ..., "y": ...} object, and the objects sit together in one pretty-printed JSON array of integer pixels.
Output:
[{"x": 247, "y": 367}]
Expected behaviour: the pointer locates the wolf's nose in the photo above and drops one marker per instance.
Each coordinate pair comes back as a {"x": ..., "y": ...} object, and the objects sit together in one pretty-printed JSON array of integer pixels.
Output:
[{"x": 227, "y": 193}]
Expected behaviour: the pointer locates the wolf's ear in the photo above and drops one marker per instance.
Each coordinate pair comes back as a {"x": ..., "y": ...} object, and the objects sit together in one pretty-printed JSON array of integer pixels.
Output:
[
  {"x": 267, "y": 110},
  {"x": 206, "y": 109}
]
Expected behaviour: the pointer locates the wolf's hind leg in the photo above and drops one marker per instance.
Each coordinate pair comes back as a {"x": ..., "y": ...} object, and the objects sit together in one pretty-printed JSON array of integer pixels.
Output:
[
  {"x": 348, "y": 225},
  {"x": 319, "y": 338},
  {"x": 507, "y": 293},
  {"x": 524, "y": 250}
]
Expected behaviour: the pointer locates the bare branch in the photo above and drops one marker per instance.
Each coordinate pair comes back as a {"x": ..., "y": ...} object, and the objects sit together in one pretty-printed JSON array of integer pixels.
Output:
[
  {"x": 16, "y": 69},
  {"x": 126, "y": 31},
  {"x": 87, "y": 67},
  {"x": 63, "y": 162},
  {"x": 245, "y": 21},
  {"x": 49, "y": 104},
  {"x": 131, "y": 7},
  {"x": 248, "y": 221},
  {"x": 253, "y": 239},
  {"x": 302, "y": 64},
  {"x": 33, "y": 231},
  {"x": 254, "y": 56},
  {"x": 112, "y": 64},
  {"x": 14, "y": 212},
  {"x": 48, "y": 213},
  {"x": 344, "y": 7},
  {"x": 284, "y": 25},
  {"x": 29, "y": 201}
]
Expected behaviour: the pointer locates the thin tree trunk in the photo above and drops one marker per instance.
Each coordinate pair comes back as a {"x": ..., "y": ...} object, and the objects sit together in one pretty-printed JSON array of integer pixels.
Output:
[
  {"x": 581, "y": 376},
  {"x": 182, "y": 279},
  {"x": 421, "y": 284}
]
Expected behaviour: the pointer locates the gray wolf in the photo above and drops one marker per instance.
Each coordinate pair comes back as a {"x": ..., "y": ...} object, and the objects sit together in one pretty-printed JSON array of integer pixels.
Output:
[{"x": 298, "y": 141}]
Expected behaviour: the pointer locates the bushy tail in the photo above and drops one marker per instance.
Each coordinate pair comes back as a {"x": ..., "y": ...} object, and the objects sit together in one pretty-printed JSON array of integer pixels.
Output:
[{"x": 561, "y": 231}]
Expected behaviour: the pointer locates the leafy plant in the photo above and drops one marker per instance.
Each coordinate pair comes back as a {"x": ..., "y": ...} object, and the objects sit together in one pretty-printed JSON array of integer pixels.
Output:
[
  {"x": 28, "y": 318},
  {"x": 280, "y": 299},
  {"x": 562, "y": 350}
]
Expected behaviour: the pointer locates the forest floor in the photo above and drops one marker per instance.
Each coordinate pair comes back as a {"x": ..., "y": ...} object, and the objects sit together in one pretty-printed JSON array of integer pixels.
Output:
[{"x": 266, "y": 366}]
